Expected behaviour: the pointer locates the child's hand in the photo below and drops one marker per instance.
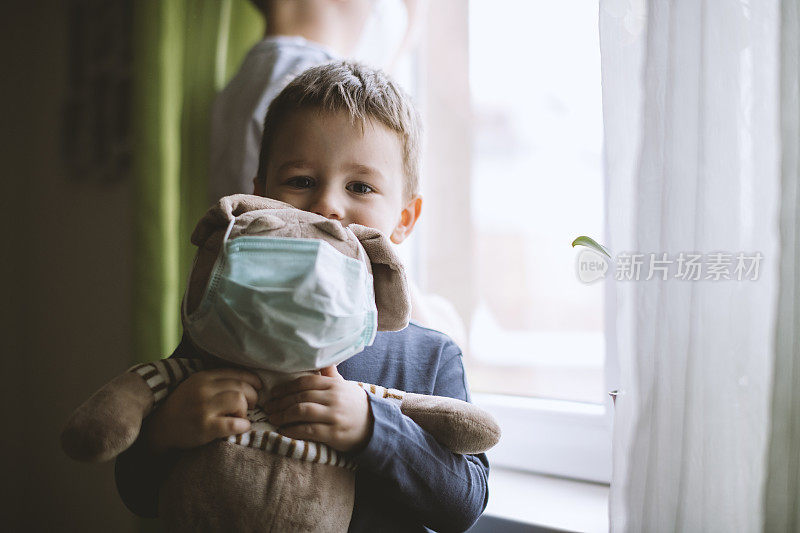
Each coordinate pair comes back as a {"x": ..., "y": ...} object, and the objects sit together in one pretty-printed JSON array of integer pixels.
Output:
[
  {"x": 209, "y": 405},
  {"x": 323, "y": 408}
]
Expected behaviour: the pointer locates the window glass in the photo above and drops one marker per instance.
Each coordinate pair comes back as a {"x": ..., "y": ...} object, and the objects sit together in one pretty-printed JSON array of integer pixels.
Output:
[{"x": 536, "y": 185}]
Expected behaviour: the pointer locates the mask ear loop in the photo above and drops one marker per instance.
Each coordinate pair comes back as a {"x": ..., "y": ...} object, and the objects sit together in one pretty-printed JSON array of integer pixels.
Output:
[
  {"x": 194, "y": 263},
  {"x": 228, "y": 231}
]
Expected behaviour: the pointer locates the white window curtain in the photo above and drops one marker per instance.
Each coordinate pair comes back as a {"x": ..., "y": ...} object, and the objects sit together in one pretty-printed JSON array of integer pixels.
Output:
[{"x": 701, "y": 114}]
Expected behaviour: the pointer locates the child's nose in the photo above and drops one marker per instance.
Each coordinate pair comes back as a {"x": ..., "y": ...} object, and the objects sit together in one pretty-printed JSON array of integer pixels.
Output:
[{"x": 327, "y": 204}]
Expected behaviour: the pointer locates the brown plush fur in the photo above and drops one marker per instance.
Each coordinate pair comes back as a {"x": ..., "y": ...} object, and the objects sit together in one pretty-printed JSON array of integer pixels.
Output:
[
  {"x": 109, "y": 421},
  {"x": 226, "y": 487},
  {"x": 478, "y": 430}
]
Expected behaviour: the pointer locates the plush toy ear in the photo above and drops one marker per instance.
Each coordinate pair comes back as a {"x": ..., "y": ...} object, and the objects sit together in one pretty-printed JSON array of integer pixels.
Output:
[
  {"x": 264, "y": 224},
  {"x": 391, "y": 287},
  {"x": 218, "y": 216},
  {"x": 332, "y": 227}
]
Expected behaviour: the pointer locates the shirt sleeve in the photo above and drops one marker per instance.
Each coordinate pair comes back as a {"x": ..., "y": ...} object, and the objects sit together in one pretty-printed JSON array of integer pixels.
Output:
[{"x": 448, "y": 491}]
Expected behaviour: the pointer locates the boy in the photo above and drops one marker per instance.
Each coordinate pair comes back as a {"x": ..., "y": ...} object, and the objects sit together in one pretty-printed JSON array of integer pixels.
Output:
[
  {"x": 301, "y": 34},
  {"x": 341, "y": 140}
]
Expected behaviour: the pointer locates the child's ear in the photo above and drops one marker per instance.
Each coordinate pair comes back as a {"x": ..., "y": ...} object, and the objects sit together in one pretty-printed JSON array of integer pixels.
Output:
[
  {"x": 392, "y": 296},
  {"x": 408, "y": 217}
]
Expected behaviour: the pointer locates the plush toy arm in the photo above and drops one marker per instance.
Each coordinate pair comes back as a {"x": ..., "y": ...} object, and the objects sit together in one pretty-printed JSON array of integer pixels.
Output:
[
  {"x": 108, "y": 422},
  {"x": 458, "y": 425}
]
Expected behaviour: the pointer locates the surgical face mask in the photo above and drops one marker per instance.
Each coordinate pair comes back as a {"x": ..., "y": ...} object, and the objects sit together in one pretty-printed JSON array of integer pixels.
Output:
[
  {"x": 384, "y": 31},
  {"x": 283, "y": 304}
]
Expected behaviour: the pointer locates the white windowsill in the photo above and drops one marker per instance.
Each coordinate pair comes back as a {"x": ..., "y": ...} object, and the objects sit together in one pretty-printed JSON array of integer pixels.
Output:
[
  {"x": 557, "y": 438},
  {"x": 548, "y": 501}
]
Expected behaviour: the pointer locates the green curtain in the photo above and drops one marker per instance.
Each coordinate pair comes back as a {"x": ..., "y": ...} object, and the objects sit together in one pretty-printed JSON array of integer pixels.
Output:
[{"x": 184, "y": 51}]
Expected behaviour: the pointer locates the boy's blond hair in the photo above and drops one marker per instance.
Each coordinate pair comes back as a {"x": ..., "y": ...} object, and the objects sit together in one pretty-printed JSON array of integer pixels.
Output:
[{"x": 362, "y": 92}]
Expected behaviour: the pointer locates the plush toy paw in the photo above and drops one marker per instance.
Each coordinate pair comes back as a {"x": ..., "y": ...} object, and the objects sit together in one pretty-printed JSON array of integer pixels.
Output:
[
  {"x": 108, "y": 422},
  {"x": 458, "y": 425}
]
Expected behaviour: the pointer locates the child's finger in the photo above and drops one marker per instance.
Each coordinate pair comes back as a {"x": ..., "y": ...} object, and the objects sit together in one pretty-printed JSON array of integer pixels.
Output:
[
  {"x": 331, "y": 372},
  {"x": 309, "y": 382},
  {"x": 236, "y": 385},
  {"x": 316, "y": 432},
  {"x": 303, "y": 412},
  {"x": 314, "y": 396},
  {"x": 225, "y": 426},
  {"x": 238, "y": 374},
  {"x": 231, "y": 403}
]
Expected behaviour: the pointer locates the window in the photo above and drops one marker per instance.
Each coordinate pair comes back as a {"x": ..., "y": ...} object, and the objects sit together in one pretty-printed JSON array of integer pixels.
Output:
[{"x": 510, "y": 92}]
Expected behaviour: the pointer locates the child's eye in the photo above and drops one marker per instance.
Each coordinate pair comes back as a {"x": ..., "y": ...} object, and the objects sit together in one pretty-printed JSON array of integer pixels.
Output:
[
  {"x": 360, "y": 188},
  {"x": 300, "y": 182}
]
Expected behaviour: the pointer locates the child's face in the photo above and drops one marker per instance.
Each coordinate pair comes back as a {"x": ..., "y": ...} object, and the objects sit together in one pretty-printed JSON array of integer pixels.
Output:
[{"x": 323, "y": 163}]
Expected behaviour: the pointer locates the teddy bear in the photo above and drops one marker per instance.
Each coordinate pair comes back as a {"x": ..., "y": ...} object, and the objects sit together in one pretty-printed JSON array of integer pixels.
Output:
[{"x": 262, "y": 480}]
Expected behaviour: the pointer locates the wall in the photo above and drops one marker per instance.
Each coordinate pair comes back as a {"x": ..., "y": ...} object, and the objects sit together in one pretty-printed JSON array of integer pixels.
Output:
[{"x": 67, "y": 276}]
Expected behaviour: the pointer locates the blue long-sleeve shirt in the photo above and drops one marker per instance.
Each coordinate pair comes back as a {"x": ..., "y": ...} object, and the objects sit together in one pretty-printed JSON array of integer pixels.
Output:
[{"x": 406, "y": 480}]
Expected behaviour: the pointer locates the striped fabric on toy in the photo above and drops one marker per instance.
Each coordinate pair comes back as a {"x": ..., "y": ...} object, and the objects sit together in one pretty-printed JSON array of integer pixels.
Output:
[
  {"x": 163, "y": 376},
  {"x": 382, "y": 392},
  {"x": 264, "y": 436}
]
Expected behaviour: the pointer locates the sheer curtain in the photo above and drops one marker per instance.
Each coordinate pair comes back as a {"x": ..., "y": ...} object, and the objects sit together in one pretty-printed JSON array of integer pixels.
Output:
[
  {"x": 782, "y": 501},
  {"x": 700, "y": 112}
]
